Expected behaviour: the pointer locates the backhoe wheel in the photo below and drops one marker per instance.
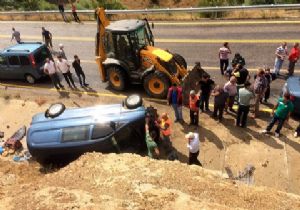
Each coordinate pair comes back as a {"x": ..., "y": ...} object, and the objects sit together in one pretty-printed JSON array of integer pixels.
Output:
[
  {"x": 180, "y": 60},
  {"x": 157, "y": 85},
  {"x": 116, "y": 77}
]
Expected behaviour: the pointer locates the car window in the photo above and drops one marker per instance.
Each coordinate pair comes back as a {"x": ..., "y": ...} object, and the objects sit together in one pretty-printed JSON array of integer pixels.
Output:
[
  {"x": 24, "y": 60},
  {"x": 2, "y": 60},
  {"x": 41, "y": 55},
  {"x": 13, "y": 60},
  {"x": 77, "y": 133},
  {"x": 101, "y": 131}
]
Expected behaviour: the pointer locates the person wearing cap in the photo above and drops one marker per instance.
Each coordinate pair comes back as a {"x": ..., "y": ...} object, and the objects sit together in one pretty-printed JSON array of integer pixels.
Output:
[
  {"x": 165, "y": 127},
  {"x": 245, "y": 95},
  {"x": 61, "y": 51},
  {"x": 281, "y": 114},
  {"x": 175, "y": 100},
  {"x": 194, "y": 108},
  {"x": 64, "y": 66},
  {"x": 193, "y": 146}
]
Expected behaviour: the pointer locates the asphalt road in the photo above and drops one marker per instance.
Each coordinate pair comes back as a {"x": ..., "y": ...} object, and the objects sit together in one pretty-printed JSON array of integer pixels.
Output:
[{"x": 196, "y": 41}]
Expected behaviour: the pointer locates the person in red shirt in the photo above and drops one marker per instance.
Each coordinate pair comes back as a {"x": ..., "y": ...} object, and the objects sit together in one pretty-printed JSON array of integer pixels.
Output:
[
  {"x": 194, "y": 108},
  {"x": 76, "y": 18},
  {"x": 293, "y": 58}
]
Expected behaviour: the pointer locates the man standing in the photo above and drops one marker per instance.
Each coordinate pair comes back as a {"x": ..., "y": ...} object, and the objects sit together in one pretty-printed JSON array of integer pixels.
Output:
[
  {"x": 223, "y": 55},
  {"x": 297, "y": 132},
  {"x": 165, "y": 127},
  {"x": 293, "y": 58},
  {"x": 245, "y": 95},
  {"x": 50, "y": 69},
  {"x": 260, "y": 87},
  {"x": 79, "y": 72},
  {"x": 61, "y": 9},
  {"x": 231, "y": 89},
  {"x": 64, "y": 67},
  {"x": 268, "y": 76},
  {"x": 61, "y": 51},
  {"x": 194, "y": 108},
  {"x": 280, "y": 53},
  {"x": 219, "y": 103},
  {"x": 47, "y": 38},
  {"x": 16, "y": 35},
  {"x": 74, "y": 13},
  {"x": 193, "y": 145},
  {"x": 281, "y": 113},
  {"x": 175, "y": 100},
  {"x": 206, "y": 85}
]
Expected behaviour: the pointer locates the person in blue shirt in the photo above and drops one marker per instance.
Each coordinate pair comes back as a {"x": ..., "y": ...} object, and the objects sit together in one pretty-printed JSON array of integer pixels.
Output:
[{"x": 175, "y": 100}]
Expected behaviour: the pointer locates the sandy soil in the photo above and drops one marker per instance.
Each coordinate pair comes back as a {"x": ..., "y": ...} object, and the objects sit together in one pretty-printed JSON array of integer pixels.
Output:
[{"x": 130, "y": 182}]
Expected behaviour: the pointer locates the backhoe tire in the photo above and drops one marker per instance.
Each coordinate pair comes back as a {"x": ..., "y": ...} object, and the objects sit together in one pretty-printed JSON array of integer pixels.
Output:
[
  {"x": 180, "y": 60},
  {"x": 116, "y": 78},
  {"x": 157, "y": 85}
]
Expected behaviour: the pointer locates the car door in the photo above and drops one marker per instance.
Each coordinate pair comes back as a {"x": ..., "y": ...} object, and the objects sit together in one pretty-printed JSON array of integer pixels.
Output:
[
  {"x": 3, "y": 67},
  {"x": 15, "y": 69}
]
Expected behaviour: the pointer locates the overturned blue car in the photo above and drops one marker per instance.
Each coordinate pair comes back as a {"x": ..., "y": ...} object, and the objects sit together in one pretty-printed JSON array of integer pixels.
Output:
[{"x": 60, "y": 132}]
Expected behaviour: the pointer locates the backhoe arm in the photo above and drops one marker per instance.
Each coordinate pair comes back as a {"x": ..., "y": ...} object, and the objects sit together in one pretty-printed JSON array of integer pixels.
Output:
[{"x": 102, "y": 22}]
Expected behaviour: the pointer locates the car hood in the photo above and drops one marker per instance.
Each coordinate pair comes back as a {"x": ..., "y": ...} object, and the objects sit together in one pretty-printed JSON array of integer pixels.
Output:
[{"x": 293, "y": 86}]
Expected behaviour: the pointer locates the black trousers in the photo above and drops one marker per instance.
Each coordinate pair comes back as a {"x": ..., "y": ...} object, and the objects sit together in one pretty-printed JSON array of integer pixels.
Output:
[
  {"x": 194, "y": 117},
  {"x": 223, "y": 65},
  {"x": 242, "y": 114},
  {"x": 204, "y": 101},
  {"x": 298, "y": 129},
  {"x": 218, "y": 109},
  {"x": 55, "y": 80},
  {"x": 81, "y": 77},
  {"x": 68, "y": 78},
  {"x": 267, "y": 93},
  {"x": 273, "y": 121},
  {"x": 291, "y": 68},
  {"x": 76, "y": 18},
  {"x": 193, "y": 159}
]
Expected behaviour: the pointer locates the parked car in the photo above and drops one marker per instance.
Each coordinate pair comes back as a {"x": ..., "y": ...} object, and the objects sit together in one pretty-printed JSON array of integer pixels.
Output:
[
  {"x": 292, "y": 86},
  {"x": 60, "y": 132},
  {"x": 24, "y": 61}
]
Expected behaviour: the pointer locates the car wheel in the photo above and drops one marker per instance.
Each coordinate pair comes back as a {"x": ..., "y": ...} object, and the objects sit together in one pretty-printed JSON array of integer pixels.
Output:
[
  {"x": 133, "y": 101},
  {"x": 30, "y": 79},
  {"x": 157, "y": 84},
  {"x": 55, "y": 110},
  {"x": 116, "y": 77},
  {"x": 180, "y": 60}
]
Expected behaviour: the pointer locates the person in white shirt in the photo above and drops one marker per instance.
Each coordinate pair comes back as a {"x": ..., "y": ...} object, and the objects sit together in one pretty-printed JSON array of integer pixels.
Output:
[
  {"x": 281, "y": 53},
  {"x": 64, "y": 66},
  {"x": 50, "y": 69},
  {"x": 223, "y": 56},
  {"x": 193, "y": 145}
]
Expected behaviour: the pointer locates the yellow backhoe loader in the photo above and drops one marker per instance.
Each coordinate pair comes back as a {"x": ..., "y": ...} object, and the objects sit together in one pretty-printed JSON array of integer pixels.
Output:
[{"x": 125, "y": 55}]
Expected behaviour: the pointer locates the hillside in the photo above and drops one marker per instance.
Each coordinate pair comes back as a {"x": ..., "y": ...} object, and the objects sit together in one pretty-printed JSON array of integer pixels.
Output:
[{"x": 126, "y": 181}]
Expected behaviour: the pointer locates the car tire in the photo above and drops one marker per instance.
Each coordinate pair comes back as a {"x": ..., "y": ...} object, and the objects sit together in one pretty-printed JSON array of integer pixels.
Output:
[
  {"x": 133, "y": 101},
  {"x": 180, "y": 60},
  {"x": 55, "y": 110},
  {"x": 157, "y": 85},
  {"x": 30, "y": 79},
  {"x": 116, "y": 78}
]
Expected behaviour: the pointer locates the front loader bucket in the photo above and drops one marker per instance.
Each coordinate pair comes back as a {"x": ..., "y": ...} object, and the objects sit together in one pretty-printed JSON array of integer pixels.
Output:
[{"x": 189, "y": 82}]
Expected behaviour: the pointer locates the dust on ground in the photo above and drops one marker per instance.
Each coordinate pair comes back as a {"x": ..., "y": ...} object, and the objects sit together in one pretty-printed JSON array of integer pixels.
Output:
[{"x": 98, "y": 181}]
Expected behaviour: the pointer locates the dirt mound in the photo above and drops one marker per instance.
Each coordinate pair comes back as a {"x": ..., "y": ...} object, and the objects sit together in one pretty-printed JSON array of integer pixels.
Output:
[{"x": 127, "y": 181}]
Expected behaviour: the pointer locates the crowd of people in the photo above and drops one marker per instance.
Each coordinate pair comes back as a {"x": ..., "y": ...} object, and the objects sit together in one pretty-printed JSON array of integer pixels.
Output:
[{"x": 238, "y": 89}]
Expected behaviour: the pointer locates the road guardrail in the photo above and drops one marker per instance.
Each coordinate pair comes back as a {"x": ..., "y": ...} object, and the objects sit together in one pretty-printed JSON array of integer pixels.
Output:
[{"x": 165, "y": 10}]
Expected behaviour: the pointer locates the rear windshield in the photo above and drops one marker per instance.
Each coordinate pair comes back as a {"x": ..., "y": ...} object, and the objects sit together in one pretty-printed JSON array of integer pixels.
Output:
[
  {"x": 24, "y": 60},
  {"x": 41, "y": 55}
]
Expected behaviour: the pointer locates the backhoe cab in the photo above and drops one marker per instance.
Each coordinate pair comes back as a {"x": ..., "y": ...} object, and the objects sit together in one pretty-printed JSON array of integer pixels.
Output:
[{"x": 125, "y": 54}]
